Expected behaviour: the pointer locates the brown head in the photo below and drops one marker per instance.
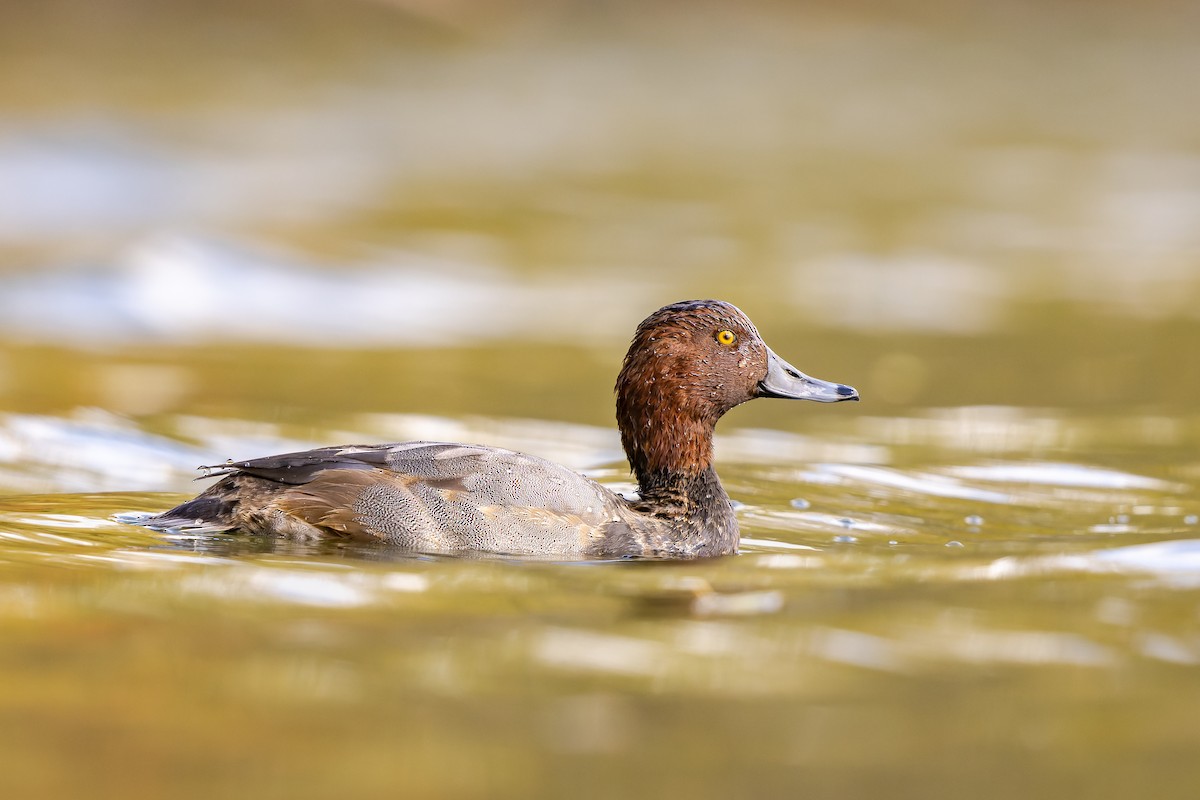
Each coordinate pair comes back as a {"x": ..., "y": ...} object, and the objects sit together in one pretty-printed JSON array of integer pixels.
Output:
[{"x": 688, "y": 364}]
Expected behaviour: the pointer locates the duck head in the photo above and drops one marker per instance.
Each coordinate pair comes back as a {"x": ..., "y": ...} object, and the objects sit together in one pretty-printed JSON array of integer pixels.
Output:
[{"x": 688, "y": 364}]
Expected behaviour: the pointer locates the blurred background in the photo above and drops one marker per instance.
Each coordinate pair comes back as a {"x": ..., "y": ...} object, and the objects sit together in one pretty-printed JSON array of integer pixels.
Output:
[
  {"x": 236, "y": 227},
  {"x": 891, "y": 190}
]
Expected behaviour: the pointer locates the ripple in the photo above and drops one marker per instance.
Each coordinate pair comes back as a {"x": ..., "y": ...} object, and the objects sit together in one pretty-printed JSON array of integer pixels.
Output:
[
  {"x": 1162, "y": 647},
  {"x": 307, "y": 587},
  {"x": 916, "y": 482},
  {"x": 1176, "y": 558},
  {"x": 857, "y": 649},
  {"x": 243, "y": 293},
  {"x": 89, "y": 451},
  {"x": 599, "y": 652},
  {"x": 1061, "y": 474},
  {"x": 1020, "y": 647}
]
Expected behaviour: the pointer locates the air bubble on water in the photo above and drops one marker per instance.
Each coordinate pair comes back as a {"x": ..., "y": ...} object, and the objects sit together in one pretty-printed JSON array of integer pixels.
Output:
[
  {"x": 800, "y": 503},
  {"x": 846, "y": 522},
  {"x": 953, "y": 543},
  {"x": 1122, "y": 519},
  {"x": 974, "y": 520},
  {"x": 1191, "y": 519},
  {"x": 845, "y": 539}
]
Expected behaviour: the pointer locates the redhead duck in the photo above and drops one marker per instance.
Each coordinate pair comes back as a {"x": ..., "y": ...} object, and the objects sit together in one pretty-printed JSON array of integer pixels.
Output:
[{"x": 688, "y": 364}]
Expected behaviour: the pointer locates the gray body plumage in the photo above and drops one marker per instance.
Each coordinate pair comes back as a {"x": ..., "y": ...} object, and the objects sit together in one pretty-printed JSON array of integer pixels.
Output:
[{"x": 437, "y": 497}]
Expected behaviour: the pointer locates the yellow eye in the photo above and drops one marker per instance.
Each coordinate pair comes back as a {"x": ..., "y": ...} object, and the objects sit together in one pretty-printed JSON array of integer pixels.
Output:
[{"x": 726, "y": 338}]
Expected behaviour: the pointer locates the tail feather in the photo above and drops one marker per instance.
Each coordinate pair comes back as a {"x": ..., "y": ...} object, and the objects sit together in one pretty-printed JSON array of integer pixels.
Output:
[
  {"x": 213, "y": 511},
  {"x": 202, "y": 513}
]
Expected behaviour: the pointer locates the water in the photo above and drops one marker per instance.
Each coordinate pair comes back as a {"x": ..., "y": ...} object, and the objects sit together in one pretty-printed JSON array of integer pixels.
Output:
[
  {"x": 875, "y": 614},
  {"x": 230, "y": 231}
]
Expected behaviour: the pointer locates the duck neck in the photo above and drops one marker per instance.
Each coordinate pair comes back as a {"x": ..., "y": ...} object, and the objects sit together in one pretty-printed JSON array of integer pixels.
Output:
[
  {"x": 666, "y": 426},
  {"x": 679, "y": 495},
  {"x": 671, "y": 452},
  {"x": 696, "y": 509},
  {"x": 669, "y": 449}
]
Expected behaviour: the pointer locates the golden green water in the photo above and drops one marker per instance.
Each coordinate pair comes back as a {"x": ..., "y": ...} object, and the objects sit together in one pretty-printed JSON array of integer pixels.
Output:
[{"x": 233, "y": 229}]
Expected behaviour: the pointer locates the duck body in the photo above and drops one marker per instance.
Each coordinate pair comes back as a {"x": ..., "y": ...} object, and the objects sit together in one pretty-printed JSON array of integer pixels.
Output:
[
  {"x": 689, "y": 363},
  {"x": 443, "y": 497}
]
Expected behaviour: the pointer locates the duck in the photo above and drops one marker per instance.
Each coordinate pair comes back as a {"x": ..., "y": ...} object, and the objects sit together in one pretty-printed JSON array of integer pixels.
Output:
[{"x": 688, "y": 364}]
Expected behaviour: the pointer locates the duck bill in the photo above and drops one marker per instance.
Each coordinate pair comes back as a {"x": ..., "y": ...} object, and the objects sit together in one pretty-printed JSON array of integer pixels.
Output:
[{"x": 784, "y": 380}]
